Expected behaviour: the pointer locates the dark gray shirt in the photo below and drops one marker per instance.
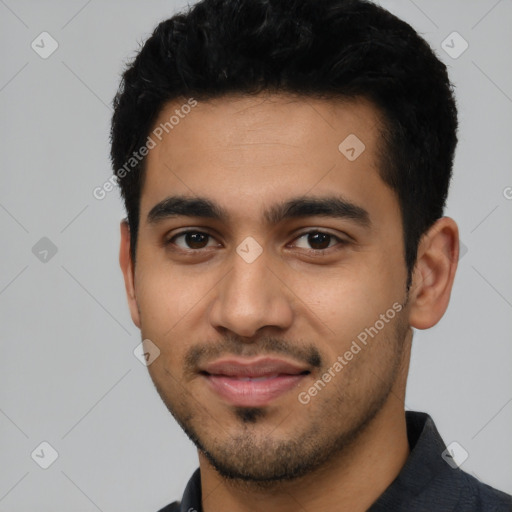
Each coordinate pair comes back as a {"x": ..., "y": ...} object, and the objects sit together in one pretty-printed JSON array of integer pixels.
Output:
[{"x": 426, "y": 483}]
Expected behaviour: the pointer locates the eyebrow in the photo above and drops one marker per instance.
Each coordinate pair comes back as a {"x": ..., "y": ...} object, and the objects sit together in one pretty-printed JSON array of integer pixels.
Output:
[{"x": 298, "y": 207}]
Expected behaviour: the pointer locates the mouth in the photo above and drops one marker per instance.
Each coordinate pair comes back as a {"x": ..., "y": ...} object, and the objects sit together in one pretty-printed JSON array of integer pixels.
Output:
[{"x": 252, "y": 382}]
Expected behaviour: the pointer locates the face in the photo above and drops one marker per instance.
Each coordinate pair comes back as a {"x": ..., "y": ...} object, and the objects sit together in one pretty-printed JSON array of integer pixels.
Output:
[{"x": 270, "y": 274}]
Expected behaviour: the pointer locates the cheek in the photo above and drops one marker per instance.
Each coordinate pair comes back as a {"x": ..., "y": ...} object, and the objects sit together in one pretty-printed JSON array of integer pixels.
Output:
[
  {"x": 168, "y": 292},
  {"x": 171, "y": 306},
  {"x": 162, "y": 296},
  {"x": 347, "y": 299}
]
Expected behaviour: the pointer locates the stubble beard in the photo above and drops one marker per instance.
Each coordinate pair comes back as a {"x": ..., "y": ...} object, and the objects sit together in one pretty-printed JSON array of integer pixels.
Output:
[{"x": 254, "y": 457}]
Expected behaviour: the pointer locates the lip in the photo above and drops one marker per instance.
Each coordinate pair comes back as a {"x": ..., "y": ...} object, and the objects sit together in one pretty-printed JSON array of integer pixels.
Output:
[{"x": 252, "y": 382}]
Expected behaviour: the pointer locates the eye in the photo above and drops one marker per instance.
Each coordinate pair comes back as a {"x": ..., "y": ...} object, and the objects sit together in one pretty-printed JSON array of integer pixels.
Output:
[
  {"x": 319, "y": 241},
  {"x": 193, "y": 240}
]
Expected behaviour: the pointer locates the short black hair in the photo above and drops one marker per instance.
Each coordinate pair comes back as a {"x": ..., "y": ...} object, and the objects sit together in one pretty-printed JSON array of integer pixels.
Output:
[{"x": 319, "y": 48}]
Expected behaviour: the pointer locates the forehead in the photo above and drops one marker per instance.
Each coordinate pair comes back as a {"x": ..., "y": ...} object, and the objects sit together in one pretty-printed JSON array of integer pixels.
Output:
[
  {"x": 289, "y": 120},
  {"x": 247, "y": 151}
]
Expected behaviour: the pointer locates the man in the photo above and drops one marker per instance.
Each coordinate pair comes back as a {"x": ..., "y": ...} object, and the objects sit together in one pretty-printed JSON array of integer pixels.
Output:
[{"x": 285, "y": 166}]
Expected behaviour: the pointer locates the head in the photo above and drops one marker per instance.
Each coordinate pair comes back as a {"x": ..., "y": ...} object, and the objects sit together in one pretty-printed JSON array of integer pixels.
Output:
[{"x": 307, "y": 147}]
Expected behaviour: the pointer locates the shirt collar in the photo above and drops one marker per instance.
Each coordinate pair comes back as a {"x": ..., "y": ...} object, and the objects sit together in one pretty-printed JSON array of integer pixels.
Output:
[{"x": 425, "y": 475}]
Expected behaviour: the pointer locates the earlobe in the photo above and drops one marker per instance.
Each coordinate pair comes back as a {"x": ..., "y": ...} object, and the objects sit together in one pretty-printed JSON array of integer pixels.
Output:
[
  {"x": 434, "y": 273},
  {"x": 125, "y": 261}
]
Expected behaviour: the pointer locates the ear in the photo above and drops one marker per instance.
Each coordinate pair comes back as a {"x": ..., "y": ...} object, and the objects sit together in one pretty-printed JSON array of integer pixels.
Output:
[
  {"x": 126, "y": 263},
  {"x": 434, "y": 273}
]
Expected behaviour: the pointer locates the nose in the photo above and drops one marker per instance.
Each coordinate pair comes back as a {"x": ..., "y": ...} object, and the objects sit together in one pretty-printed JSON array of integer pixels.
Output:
[{"x": 250, "y": 297}]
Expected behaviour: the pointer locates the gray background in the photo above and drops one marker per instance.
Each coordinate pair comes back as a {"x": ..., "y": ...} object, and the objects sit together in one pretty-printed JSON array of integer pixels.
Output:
[{"x": 68, "y": 373}]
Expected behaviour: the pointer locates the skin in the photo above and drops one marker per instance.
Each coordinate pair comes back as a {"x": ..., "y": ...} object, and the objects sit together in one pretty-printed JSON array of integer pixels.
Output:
[{"x": 246, "y": 154}]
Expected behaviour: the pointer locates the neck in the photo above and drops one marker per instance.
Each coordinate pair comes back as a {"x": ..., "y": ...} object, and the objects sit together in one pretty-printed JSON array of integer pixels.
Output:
[{"x": 351, "y": 481}]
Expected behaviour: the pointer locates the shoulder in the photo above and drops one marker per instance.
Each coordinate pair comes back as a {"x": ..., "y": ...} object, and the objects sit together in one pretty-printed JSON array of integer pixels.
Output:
[
  {"x": 173, "y": 507},
  {"x": 191, "y": 500},
  {"x": 477, "y": 496}
]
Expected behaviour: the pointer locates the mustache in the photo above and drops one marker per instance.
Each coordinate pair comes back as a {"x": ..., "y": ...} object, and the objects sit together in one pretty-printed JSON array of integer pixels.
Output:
[{"x": 233, "y": 345}]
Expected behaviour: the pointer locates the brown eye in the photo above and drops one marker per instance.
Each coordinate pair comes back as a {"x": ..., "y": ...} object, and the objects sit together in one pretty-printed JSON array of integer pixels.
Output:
[
  {"x": 193, "y": 240},
  {"x": 319, "y": 240}
]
